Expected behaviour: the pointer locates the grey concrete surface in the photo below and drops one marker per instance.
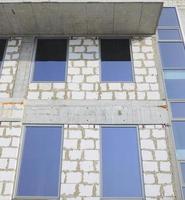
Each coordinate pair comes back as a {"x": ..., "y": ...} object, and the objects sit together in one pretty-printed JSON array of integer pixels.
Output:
[
  {"x": 95, "y": 112},
  {"x": 79, "y": 17},
  {"x": 24, "y": 67}
]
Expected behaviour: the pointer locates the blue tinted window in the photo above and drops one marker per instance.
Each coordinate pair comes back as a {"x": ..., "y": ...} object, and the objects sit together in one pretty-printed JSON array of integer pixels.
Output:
[
  {"x": 178, "y": 110},
  {"x": 50, "y": 60},
  {"x": 183, "y": 171},
  {"x": 172, "y": 54},
  {"x": 175, "y": 83},
  {"x": 115, "y": 60},
  {"x": 168, "y": 17},
  {"x": 40, "y": 164},
  {"x": 120, "y": 162},
  {"x": 179, "y": 134},
  {"x": 169, "y": 34},
  {"x": 183, "y": 190}
]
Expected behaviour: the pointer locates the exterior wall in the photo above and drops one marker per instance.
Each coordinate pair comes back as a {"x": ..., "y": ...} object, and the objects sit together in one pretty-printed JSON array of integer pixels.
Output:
[
  {"x": 83, "y": 75},
  {"x": 157, "y": 167},
  {"x": 9, "y": 67},
  {"x": 81, "y": 148},
  {"x": 10, "y": 133},
  {"x": 81, "y": 161}
]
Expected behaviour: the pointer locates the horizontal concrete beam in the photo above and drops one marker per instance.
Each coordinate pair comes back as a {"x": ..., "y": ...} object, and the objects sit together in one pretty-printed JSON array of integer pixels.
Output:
[
  {"x": 76, "y": 18},
  {"x": 95, "y": 112}
]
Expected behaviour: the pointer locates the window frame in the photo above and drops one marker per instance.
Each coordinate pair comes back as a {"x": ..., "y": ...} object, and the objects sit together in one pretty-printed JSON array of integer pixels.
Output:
[
  {"x": 170, "y": 28},
  {"x": 140, "y": 164},
  {"x": 34, "y": 56},
  {"x": 4, "y": 54},
  {"x": 175, "y": 166},
  {"x": 131, "y": 59},
  {"x": 19, "y": 160}
]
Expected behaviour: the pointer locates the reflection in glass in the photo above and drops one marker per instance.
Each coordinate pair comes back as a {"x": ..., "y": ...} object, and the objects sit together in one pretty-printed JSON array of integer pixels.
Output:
[
  {"x": 116, "y": 61},
  {"x": 50, "y": 60},
  {"x": 183, "y": 171},
  {"x": 120, "y": 162},
  {"x": 172, "y": 54},
  {"x": 116, "y": 71},
  {"x": 168, "y": 17},
  {"x": 179, "y": 133},
  {"x": 178, "y": 110},
  {"x": 169, "y": 34},
  {"x": 175, "y": 83},
  {"x": 40, "y": 165}
]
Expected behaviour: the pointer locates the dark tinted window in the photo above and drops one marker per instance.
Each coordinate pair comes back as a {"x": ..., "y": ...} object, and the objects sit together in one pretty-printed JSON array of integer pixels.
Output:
[
  {"x": 120, "y": 162},
  {"x": 40, "y": 164},
  {"x": 168, "y": 17},
  {"x": 2, "y": 49},
  {"x": 50, "y": 60},
  {"x": 173, "y": 54},
  {"x": 116, "y": 60}
]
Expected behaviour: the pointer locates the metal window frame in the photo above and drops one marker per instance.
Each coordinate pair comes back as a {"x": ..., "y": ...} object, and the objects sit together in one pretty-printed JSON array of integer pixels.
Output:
[
  {"x": 34, "y": 55},
  {"x": 170, "y": 28},
  {"x": 18, "y": 168},
  {"x": 175, "y": 163},
  {"x": 131, "y": 59},
  {"x": 140, "y": 164}
]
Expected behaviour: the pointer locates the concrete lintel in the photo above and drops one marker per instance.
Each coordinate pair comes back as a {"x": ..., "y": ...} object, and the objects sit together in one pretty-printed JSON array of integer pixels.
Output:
[
  {"x": 95, "y": 112},
  {"x": 77, "y": 18},
  {"x": 24, "y": 67}
]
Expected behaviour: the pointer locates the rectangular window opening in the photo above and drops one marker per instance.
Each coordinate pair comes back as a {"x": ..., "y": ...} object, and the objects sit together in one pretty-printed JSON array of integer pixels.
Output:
[
  {"x": 39, "y": 173},
  {"x": 121, "y": 173},
  {"x": 116, "y": 65},
  {"x": 50, "y": 60},
  {"x": 2, "y": 50}
]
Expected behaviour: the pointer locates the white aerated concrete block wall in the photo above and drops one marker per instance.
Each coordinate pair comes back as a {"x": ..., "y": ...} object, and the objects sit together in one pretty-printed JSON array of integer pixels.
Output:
[
  {"x": 81, "y": 161},
  {"x": 10, "y": 133},
  {"x": 9, "y": 67},
  {"x": 84, "y": 79},
  {"x": 157, "y": 169}
]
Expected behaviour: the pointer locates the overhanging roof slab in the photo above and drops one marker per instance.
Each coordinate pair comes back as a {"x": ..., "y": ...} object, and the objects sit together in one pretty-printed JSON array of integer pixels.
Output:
[{"x": 79, "y": 18}]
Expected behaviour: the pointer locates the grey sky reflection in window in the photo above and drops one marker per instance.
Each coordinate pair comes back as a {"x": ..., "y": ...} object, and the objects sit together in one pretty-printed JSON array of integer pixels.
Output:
[
  {"x": 40, "y": 164},
  {"x": 50, "y": 60},
  {"x": 168, "y": 17},
  {"x": 175, "y": 82},
  {"x": 120, "y": 162},
  {"x": 178, "y": 109},
  {"x": 116, "y": 60},
  {"x": 173, "y": 54},
  {"x": 169, "y": 34},
  {"x": 2, "y": 49}
]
